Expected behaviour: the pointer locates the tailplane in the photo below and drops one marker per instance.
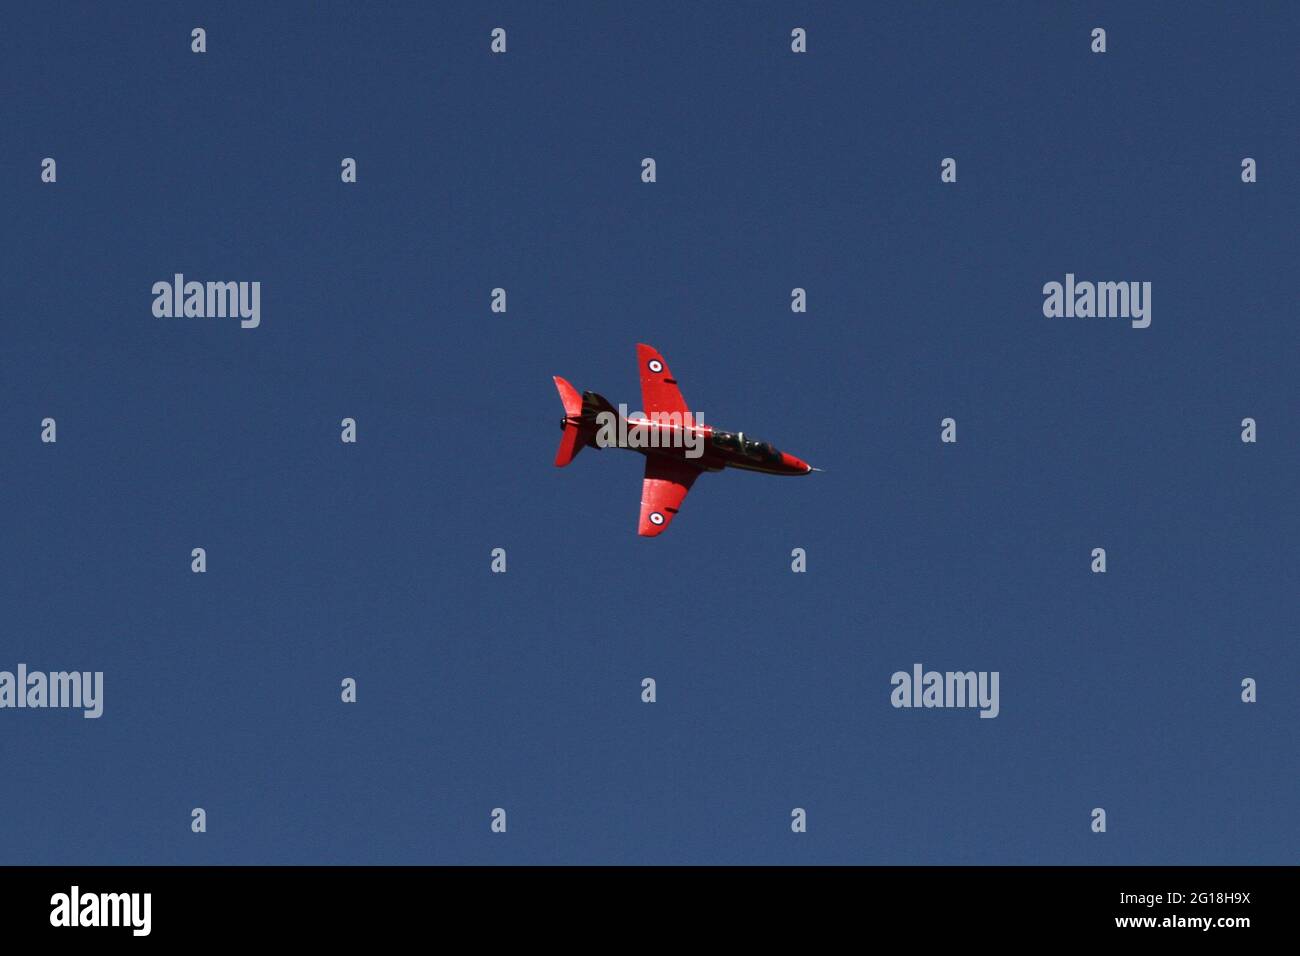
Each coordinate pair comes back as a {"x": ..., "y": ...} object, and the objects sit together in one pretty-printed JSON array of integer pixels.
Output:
[{"x": 579, "y": 422}]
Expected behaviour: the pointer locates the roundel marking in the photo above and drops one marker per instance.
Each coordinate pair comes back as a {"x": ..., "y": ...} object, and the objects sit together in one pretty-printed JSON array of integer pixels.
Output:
[
  {"x": 656, "y": 518},
  {"x": 656, "y": 366}
]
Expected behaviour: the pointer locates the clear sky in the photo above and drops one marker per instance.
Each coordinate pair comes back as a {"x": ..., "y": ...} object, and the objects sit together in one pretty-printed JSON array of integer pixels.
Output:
[{"x": 522, "y": 690}]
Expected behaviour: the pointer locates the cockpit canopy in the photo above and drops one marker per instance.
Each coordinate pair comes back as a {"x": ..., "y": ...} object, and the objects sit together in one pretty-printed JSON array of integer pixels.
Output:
[{"x": 760, "y": 451}]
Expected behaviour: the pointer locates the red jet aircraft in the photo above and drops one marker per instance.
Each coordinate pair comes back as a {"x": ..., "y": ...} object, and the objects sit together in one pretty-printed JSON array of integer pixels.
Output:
[{"x": 666, "y": 434}]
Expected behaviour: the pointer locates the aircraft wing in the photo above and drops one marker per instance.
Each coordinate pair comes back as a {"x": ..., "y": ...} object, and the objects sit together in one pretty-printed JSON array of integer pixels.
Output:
[
  {"x": 662, "y": 492},
  {"x": 659, "y": 391}
]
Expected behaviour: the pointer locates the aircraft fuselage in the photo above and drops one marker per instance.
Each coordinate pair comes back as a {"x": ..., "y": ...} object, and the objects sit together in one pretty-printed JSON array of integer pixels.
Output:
[{"x": 710, "y": 448}]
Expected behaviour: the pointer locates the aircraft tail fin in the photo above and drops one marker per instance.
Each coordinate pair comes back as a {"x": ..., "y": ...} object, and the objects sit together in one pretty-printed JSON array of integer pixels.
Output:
[
  {"x": 593, "y": 405},
  {"x": 570, "y": 397},
  {"x": 571, "y": 442},
  {"x": 579, "y": 423}
]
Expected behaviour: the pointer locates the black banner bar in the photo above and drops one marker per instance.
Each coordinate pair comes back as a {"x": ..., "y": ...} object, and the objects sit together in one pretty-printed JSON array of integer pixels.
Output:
[{"x": 360, "y": 904}]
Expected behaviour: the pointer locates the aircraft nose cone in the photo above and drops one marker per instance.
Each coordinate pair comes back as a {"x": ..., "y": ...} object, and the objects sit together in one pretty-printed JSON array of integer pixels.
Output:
[{"x": 796, "y": 465}]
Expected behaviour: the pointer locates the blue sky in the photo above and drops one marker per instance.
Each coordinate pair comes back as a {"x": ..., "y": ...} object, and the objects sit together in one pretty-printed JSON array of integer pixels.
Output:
[{"x": 522, "y": 690}]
